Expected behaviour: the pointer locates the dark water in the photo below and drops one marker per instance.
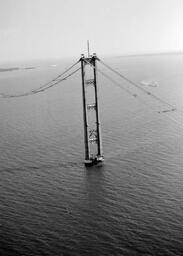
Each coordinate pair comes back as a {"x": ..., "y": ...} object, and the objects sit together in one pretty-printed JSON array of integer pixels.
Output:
[{"x": 50, "y": 204}]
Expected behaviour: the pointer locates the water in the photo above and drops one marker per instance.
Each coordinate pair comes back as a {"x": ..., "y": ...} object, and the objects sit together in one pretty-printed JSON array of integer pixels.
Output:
[{"x": 50, "y": 204}]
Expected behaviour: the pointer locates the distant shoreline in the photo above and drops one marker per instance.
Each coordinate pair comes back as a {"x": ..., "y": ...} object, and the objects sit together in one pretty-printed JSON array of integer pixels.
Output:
[
  {"x": 149, "y": 54},
  {"x": 15, "y": 69}
]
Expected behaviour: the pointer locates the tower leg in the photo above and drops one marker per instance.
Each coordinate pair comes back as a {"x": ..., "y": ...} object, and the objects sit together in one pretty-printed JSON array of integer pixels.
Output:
[
  {"x": 99, "y": 139},
  {"x": 85, "y": 119},
  {"x": 91, "y": 134}
]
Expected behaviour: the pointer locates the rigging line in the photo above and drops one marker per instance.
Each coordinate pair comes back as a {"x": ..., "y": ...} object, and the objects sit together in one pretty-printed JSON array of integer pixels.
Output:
[
  {"x": 173, "y": 108},
  {"x": 44, "y": 85},
  {"x": 180, "y": 112},
  {"x": 118, "y": 84},
  {"x": 57, "y": 82},
  {"x": 151, "y": 107},
  {"x": 68, "y": 69},
  {"x": 129, "y": 92},
  {"x": 125, "y": 89},
  {"x": 138, "y": 86},
  {"x": 54, "y": 79},
  {"x": 40, "y": 90},
  {"x": 137, "y": 97},
  {"x": 174, "y": 120}
]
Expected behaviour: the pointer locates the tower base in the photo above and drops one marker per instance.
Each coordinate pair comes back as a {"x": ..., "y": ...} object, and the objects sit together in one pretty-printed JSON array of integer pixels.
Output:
[{"x": 94, "y": 161}]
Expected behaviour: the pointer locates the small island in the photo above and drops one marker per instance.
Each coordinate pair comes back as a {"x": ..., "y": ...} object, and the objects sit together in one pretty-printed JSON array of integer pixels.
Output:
[
  {"x": 15, "y": 69},
  {"x": 8, "y": 69}
]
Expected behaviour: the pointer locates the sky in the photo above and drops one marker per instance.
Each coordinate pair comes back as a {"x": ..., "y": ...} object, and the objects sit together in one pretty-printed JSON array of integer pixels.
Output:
[{"x": 43, "y": 29}]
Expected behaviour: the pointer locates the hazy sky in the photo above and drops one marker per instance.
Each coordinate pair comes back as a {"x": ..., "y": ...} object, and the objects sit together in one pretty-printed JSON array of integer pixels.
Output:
[{"x": 59, "y": 28}]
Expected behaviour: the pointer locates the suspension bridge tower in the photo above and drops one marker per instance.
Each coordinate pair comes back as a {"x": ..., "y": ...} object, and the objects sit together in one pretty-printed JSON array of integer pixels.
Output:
[{"x": 91, "y": 119}]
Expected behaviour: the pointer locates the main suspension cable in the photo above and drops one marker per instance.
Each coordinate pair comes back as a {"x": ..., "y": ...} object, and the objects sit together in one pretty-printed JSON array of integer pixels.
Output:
[
  {"x": 135, "y": 95},
  {"x": 57, "y": 81},
  {"x": 130, "y": 92},
  {"x": 60, "y": 75},
  {"x": 165, "y": 112},
  {"x": 40, "y": 89},
  {"x": 139, "y": 87}
]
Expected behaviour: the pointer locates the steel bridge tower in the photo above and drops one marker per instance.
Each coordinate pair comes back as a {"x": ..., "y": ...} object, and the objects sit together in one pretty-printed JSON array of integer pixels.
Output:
[{"x": 92, "y": 129}]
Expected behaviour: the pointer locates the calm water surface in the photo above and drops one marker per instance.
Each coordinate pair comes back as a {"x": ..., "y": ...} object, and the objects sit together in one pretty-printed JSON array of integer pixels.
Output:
[{"x": 50, "y": 204}]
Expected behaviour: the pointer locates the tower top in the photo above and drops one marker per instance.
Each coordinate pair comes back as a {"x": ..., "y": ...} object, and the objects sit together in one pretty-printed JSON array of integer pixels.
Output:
[{"x": 88, "y": 48}]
